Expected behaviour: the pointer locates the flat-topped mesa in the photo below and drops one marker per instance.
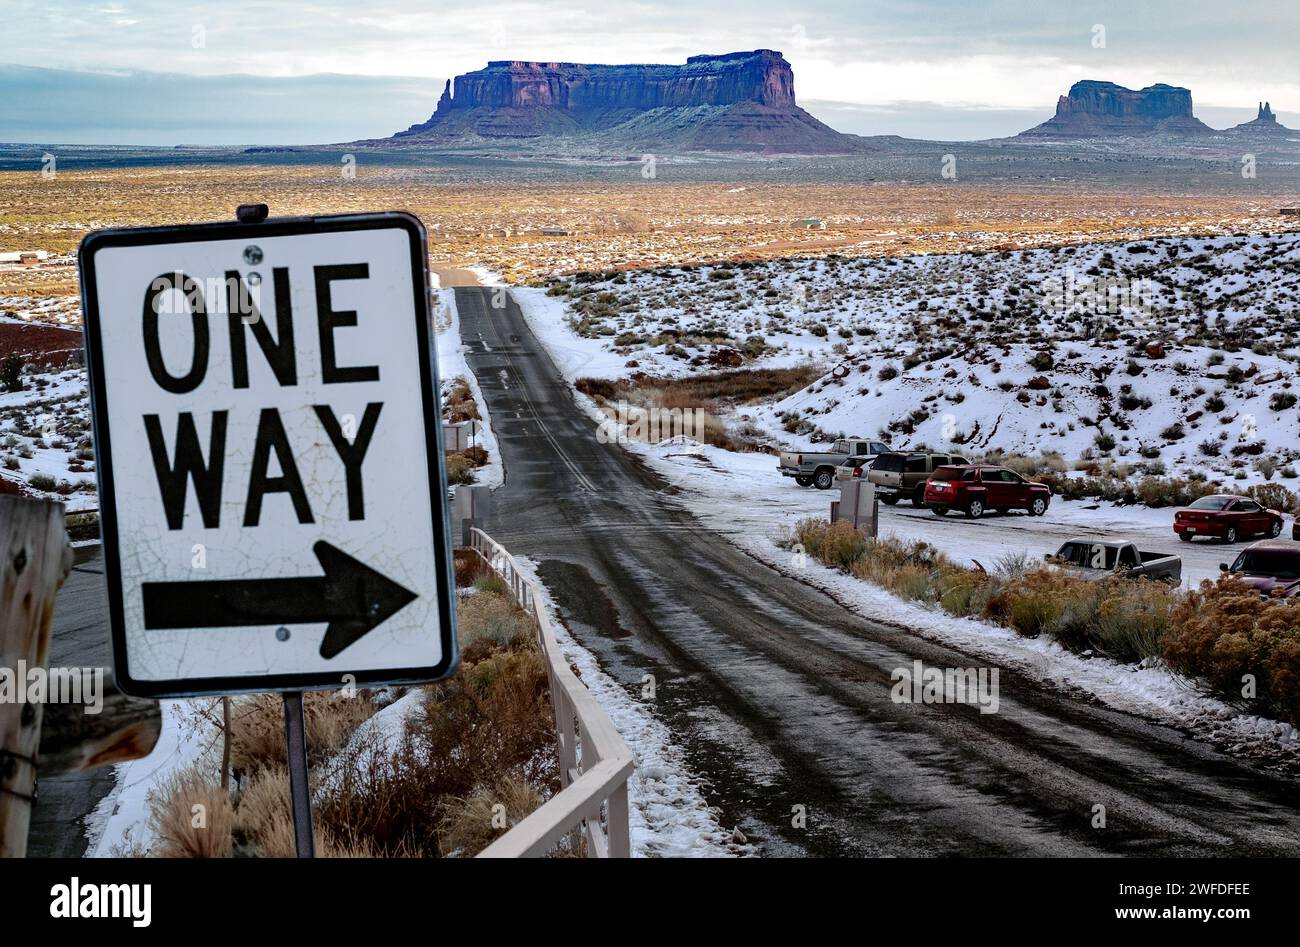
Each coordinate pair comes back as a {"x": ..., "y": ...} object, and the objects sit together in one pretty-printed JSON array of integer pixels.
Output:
[
  {"x": 1094, "y": 109},
  {"x": 736, "y": 101},
  {"x": 761, "y": 76}
]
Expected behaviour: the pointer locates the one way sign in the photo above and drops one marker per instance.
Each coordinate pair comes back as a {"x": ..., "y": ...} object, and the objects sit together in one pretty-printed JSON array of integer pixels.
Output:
[{"x": 272, "y": 495}]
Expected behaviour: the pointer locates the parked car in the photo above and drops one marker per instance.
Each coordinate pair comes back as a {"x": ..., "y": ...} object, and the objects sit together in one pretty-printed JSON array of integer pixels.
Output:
[
  {"x": 975, "y": 488},
  {"x": 811, "y": 469},
  {"x": 1097, "y": 558},
  {"x": 898, "y": 474},
  {"x": 1227, "y": 518},
  {"x": 854, "y": 467},
  {"x": 1272, "y": 567}
]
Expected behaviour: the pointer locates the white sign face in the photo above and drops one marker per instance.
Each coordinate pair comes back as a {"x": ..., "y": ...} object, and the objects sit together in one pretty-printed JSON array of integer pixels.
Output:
[{"x": 272, "y": 498}]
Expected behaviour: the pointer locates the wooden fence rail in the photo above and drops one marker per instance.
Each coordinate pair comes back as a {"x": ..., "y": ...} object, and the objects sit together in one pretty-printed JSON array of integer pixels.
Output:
[{"x": 595, "y": 762}]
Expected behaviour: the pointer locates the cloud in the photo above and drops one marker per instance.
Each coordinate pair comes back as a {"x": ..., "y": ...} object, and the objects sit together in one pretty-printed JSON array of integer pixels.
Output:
[{"x": 974, "y": 57}]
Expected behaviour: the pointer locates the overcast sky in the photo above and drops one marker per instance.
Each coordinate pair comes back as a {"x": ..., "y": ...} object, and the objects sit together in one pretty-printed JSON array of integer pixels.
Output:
[{"x": 924, "y": 68}]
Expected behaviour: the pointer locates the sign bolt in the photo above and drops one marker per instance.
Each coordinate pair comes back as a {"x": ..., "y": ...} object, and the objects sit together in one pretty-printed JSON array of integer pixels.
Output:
[
  {"x": 252, "y": 254},
  {"x": 282, "y": 633}
]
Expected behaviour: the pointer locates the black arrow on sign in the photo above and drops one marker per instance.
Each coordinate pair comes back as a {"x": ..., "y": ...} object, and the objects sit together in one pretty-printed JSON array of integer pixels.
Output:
[{"x": 351, "y": 596}]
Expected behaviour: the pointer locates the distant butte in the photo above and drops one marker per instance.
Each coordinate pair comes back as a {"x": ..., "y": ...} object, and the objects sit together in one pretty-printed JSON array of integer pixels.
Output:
[
  {"x": 1095, "y": 109},
  {"x": 1265, "y": 125},
  {"x": 734, "y": 102}
]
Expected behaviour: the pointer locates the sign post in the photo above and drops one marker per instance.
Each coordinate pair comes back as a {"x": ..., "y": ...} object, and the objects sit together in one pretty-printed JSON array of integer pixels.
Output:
[{"x": 269, "y": 452}]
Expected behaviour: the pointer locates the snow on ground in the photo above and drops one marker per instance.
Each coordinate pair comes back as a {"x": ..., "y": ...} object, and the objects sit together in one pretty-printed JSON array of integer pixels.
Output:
[
  {"x": 120, "y": 823},
  {"x": 1165, "y": 355},
  {"x": 1153, "y": 692},
  {"x": 379, "y": 735},
  {"x": 668, "y": 814},
  {"x": 452, "y": 365},
  {"x": 45, "y": 438},
  {"x": 742, "y": 497},
  {"x": 717, "y": 477}
]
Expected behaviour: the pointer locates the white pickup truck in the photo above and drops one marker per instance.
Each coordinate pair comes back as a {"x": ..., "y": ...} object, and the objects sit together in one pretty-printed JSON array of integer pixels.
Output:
[{"x": 811, "y": 469}]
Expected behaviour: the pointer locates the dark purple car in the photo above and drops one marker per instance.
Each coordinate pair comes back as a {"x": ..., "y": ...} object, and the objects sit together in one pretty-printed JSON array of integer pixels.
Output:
[{"x": 1271, "y": 567}]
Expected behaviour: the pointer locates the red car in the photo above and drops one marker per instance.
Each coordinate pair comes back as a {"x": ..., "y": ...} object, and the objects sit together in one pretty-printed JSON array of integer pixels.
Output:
[
  {"x": 975, "y": 488},
  {"x": 1227, "y": 518}
]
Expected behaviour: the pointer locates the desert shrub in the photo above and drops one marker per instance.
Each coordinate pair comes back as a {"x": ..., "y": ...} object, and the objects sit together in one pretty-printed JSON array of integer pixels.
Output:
[
  {"x": 835, "y": 544},
  {"x": 11, "y": 371},
  {"x": 257, "y": 726},
  {"x": 460, "y": 469},
  {"x": 1225, "y": 635},
  {"x": 469, "y": 567},
  {"x": 492, "y": 617},
  {"x": 181, "y": 800},
  {"x": 492, "y": 584},
  {"x": 489, "y": 722},
  {"x": 1131, "y": 619},
  {"x": 459, "y": 404},
  {"x": 40, "y": 481},
  {"x": 1032, "y": 605},
  {"x": 1282, "y": 400},
  {"x": 1273, "y": 496},
  {"x": 467, "y": 826}
]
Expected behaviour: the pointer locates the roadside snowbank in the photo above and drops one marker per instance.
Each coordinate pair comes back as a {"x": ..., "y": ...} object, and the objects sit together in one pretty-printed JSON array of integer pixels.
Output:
[{"x": 451, "y": 365}]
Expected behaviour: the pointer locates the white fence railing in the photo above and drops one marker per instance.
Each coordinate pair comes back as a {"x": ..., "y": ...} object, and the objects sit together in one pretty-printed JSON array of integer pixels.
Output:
[{"x": 594, "y": 761}]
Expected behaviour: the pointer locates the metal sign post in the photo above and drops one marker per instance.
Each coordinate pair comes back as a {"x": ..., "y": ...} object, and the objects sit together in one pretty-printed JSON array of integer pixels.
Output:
[{"x": 295, "y": 738}]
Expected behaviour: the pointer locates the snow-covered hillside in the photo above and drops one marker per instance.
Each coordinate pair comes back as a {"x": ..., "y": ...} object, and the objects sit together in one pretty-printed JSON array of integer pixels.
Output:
[{"x": 1158, "y": 356}]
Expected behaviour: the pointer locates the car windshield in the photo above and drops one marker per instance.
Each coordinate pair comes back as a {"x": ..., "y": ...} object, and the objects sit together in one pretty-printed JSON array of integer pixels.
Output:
[
  {"x": 1210, "y": 503},
  {"x": 1273, "y": 563}
]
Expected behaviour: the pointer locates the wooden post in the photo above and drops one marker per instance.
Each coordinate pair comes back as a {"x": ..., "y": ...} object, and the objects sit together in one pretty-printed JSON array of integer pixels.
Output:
[
  {"x": 126, "y": 728},
  {"x": 35, "y": 558}
]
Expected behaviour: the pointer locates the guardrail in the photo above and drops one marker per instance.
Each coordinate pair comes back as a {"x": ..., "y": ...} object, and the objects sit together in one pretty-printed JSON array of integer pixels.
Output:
[{"x": 594, "y": 761}]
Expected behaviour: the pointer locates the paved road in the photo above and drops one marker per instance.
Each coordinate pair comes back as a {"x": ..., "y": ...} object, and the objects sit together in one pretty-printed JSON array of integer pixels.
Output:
[
  {"x": 781, "y": 699},
  {"x": 79, "y": 639}
]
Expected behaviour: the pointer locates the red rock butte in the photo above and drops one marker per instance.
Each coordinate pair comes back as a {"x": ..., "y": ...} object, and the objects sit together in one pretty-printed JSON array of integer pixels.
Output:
[{"x": 740, "y": 101}]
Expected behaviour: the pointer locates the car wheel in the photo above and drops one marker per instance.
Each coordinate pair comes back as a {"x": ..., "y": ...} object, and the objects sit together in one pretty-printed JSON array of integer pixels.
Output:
[
  {"x": 889, "y": 500},
  {"x": 1037, "y": 507},
  {"x": 1275, "y": 530},
  {"x": 939, "y": 510},
  {"x": 975, "y": 509},
  {"x": 823, "y": 479},
  {"x": 1185, "y": 537},
  {"x": 803, "y": 481},
  {"x": 1230, "y": 536}
]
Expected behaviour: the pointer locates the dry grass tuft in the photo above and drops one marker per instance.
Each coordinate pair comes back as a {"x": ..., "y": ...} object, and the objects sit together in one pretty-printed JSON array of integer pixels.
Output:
[{"x": 191, "y": 817}]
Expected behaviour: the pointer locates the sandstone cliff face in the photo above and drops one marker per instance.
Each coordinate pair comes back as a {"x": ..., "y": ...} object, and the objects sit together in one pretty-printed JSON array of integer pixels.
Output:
[
  {"x": 734, "y": 101},
  {"x": 762, "y": 76},
  {"x": 1103, "y": 109}
]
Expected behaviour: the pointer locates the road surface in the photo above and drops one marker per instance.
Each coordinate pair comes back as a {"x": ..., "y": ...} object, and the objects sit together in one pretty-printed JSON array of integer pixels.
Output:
[{"x": 781, "y": 700}]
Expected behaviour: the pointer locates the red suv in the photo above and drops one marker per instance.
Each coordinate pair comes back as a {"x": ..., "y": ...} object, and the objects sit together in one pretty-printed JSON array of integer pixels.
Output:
[
  {"x": 1227, "y": 518},
  {"x": 976, "y": 488}
]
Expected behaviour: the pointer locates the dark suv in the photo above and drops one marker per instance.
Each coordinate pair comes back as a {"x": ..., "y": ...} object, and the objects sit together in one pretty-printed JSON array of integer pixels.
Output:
[
  {"x": 899, "y": 475},
  {"x": 975, "y": 488}
]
